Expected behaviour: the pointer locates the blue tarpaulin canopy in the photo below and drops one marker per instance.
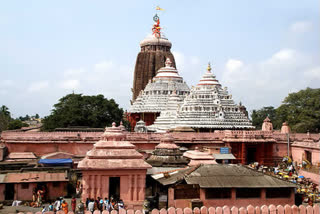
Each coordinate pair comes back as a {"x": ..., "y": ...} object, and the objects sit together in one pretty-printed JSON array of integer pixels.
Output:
[{"x": 56, "y": 161}]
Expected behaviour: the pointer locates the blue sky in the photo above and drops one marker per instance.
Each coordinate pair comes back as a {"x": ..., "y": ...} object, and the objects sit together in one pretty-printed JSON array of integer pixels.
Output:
[{"x": 260, "y": 50}]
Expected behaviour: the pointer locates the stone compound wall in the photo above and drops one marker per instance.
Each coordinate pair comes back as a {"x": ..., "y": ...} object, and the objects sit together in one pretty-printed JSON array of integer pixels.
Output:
[{"x": 272, "y": 209}]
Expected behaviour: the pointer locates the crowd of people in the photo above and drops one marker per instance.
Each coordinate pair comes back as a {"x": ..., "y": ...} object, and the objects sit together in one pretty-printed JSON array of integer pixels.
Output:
[
  {"x": 38, "y": 196},
  {"x": 90, "y": 205},
  {"x": 289, "y": 171},
  {"x": 61, "y": 204},
  {"x": 104, "y": 204}
]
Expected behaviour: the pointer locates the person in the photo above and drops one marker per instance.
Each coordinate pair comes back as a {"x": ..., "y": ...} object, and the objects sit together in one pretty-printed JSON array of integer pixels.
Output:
[
  {"x": 64, "y": 206},
  {"x": 145, "y": 207},
  {"x": 80, "y": 208},
  {"x": 57, "y": 204},
  {"x": 120, "y": 204},
  {"x": 310, "y": 201},
  {"x": 87, "y": 203},
  {"x": 91, "y": 205},
  {"x": 43, "y": 209},
  {"x": 34, "y": 195},
  {"x": 110, "y": 206},
  {"x": 39, "y": 200},
  {"x": 50, "y": 208},
  {"x": 73, "y": 204},
  {"x": 100, "y": 207},
  {"x": 105, "y": 203}
]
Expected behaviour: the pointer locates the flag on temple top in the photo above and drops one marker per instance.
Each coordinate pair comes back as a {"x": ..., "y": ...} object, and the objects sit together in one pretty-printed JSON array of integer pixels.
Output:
[{"x": 159, "y": 8}]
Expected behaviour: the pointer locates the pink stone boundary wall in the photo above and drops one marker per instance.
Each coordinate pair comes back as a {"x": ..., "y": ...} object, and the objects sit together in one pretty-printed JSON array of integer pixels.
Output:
[{"x": 271, "y": 209}]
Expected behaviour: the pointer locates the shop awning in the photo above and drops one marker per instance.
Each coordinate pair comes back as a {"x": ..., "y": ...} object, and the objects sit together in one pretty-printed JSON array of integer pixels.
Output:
[{"x": 56, "y": 161}]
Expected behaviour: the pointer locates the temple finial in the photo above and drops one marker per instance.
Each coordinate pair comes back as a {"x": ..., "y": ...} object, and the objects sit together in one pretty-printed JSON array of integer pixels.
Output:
[{"x": 209, "y": 67}]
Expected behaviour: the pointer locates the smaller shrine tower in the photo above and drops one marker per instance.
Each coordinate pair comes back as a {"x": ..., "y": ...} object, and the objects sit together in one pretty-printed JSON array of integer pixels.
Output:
[
  {"x": 154, "y": 98},
  {"x": 113, "y": 168},
  {"x": 155, "y": 49}
]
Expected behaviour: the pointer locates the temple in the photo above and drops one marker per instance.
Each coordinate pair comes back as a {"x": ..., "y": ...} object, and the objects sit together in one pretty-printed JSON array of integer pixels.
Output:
[
  {"x": 208, "y": 107},
  {"x": 113, "y": 168},
  {"x": 154, "y": 98},
  {"x": 178, "y": 153},
  {"x": 155, "y": 49}
]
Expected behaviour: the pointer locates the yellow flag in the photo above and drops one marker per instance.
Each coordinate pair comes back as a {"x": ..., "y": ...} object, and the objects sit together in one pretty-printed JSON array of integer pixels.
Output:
[{"x": 159, "y": 8}]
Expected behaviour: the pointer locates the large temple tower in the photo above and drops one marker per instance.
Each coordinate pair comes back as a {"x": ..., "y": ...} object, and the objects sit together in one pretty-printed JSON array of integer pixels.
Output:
[{"x": 154, "y": 51}]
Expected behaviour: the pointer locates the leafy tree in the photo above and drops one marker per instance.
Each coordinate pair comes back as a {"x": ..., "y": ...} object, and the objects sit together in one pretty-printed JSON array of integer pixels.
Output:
[
  {"x": 5, "y": 111},
  {"x": 259, "y": 115},
  {"x": 37, "y": 116},
  {"x": 16, "y": 124},
  {"x": 5, "y": 117},
  {"x": 79, "y": 110},
  {"x": 25, "y": 118},
  {"x": 301, "y": 110}
]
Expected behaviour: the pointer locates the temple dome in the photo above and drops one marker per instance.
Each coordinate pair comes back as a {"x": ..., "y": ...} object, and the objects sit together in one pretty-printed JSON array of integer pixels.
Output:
[
  {"x": 197, "y": 157},
  {"x": 168, "y": 72},
  {"x": 153, "y": 40},
  {"x": 209, "y": 78}
]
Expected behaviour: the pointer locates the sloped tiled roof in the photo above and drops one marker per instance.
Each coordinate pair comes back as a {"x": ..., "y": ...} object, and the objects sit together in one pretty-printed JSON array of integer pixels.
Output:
[{"x": 224, "y": 176}]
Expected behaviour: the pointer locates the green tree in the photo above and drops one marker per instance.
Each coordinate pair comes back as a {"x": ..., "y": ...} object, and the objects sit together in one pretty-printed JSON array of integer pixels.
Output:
[
  {"x": 16, "y": 124},
  {"x": 258, "y": 116},
  {"x": 78, "y": 110},
  {"x": 5, "y": 117},
  {"x": 301, "y": 110}
]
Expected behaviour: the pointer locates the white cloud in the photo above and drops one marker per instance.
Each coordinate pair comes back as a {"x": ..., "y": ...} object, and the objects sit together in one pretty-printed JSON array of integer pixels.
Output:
[
  {"x": 268, "y": 82},
  {"x": 284, "y": 54},
  {"x": 301, "y": 27},
  {"x": 6, "y": 83},
  {"x": 313, "y": 73},
  {"x": 104, "y": 66},
  {"x": 234, "y": 64},
  {"x": 70, "y": 84},
  {"x": 38, "y": 86},
  {"x": 74, "y": 72},
  {"x": 3, "y": 92}
]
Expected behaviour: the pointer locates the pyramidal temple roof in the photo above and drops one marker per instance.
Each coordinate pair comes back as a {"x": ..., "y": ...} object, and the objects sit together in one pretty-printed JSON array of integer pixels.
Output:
[
  {"x": 207, "y": 106},
  {"x": 167, "y": 153},
  {"x": 209, "y": 78},
  {"x": 197, "y": 157},
  {"x": 112, "y": 151},
  {"x": 155, "y": 96}
]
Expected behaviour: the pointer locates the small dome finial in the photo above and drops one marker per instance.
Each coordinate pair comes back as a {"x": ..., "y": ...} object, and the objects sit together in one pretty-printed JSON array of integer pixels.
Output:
[
  {"x": 209, "y": 67},
  {"x": 113, "y": 124}
]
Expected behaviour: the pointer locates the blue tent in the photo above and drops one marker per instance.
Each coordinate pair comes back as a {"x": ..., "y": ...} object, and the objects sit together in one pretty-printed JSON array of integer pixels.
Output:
[{"x": 56, "y": 161}]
